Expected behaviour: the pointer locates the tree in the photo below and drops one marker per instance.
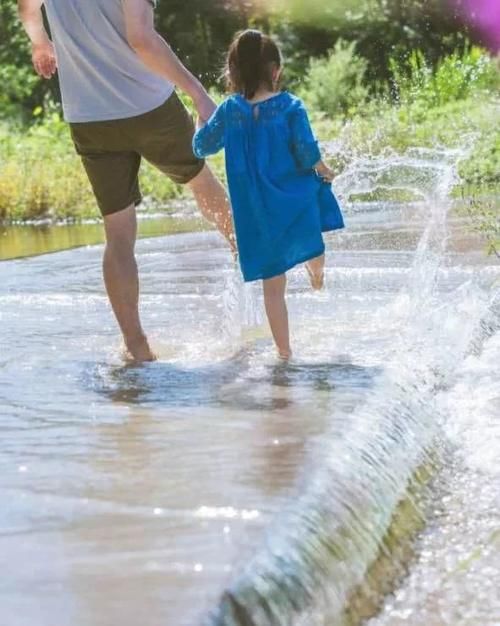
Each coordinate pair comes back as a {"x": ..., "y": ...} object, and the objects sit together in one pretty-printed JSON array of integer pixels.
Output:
[
  {"x": 21, "y": 89},
  {"x": 200, "y": 32},
  {"x": 382, "y": 29}
]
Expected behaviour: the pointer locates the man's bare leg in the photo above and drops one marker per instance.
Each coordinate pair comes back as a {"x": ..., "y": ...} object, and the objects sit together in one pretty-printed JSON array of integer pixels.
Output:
[
  {"x": 213, "y": 202},
  {"x": 122, "y": 280}
]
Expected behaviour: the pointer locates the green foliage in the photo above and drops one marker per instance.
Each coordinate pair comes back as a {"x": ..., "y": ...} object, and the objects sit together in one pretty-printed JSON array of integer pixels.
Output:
[
  {"x": 41, "y": 175},
  {"x": 382, "y": 29},
  {"x": 22, "y": 90},
  {"x": 485, "y": 219},
  {"x": 200, "y": 31},
  {"x": 484, "y": 164},
  {"x": 334, "y": 84},
  {"x": 439, "y": 96},
  {"x": 456, "y": 77},
  {"x": 16, "y": 77}
]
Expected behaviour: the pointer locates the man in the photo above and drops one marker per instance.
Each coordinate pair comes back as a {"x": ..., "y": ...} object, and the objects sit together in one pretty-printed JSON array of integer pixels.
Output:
[{"x": 117, "y": 78}]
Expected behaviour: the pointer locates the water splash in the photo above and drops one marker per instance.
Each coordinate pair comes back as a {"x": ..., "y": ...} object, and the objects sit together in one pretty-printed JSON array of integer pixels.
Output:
[
  {"x": 240, "y": 305},
  {"x": 320, "y": 549}
]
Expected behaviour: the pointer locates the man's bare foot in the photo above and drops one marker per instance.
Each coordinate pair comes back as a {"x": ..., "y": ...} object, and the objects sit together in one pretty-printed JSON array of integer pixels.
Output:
[
  {"x": 139, "y": 351},
  {"x": 285, "y": 355},
  {"x": 317, "y": 278}
]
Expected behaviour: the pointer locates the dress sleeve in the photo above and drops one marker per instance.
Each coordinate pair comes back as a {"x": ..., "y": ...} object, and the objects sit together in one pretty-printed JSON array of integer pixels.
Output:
[
  {"x": 210, "y": 138},
  {"x": 304, "y": 143}
]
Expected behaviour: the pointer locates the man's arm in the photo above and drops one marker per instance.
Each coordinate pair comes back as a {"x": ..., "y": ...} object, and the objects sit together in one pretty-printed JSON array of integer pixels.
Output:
[
  {"x": 157, "y": 55},
  {"x": 42, "y": 50}
]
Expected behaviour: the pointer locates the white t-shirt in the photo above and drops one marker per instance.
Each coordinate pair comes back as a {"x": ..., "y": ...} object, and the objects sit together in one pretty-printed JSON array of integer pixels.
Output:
[{"x": 101, "y": 76}]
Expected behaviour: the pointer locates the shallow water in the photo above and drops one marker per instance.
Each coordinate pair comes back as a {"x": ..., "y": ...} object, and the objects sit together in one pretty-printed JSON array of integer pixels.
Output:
[
  {"x": 141, "y": 493},
  {"x": 18, "y": 241}
]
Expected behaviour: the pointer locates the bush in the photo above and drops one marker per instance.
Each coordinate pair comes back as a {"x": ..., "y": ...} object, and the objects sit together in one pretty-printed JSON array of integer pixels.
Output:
[
  {"x": 456, "y": 77},
  {"x": 42, "y": 176},
  {"x": 334, "y": 85}
]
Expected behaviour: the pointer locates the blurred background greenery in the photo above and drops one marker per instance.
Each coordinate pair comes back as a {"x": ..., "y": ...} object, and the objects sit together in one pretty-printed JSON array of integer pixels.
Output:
[
  {"x": 376, "y": 75},
  {"x": 200, "y": 31}
]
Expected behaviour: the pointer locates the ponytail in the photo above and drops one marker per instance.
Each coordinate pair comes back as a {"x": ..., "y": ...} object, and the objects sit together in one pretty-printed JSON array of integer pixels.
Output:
[
  {"x": 250, "y": 63},
  {"x": 249, "y": 54}
]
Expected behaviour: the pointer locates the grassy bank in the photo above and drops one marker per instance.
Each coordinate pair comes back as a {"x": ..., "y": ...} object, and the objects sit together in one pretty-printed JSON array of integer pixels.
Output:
[
  {"x": 455, "y": 105},
  {"x": 484, "y": 215},
  {"x": 41, "y": 175}
]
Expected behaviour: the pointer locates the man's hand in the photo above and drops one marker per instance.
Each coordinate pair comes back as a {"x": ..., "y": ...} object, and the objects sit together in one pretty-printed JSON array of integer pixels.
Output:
[
  {"x": 44, "y": 59},
  {"x": 205, "y": 106},
  {"x": 42, "y": 49}
]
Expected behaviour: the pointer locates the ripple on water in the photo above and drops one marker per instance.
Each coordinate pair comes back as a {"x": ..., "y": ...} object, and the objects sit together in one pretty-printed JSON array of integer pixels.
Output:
[{"x": 138, "y": 494}]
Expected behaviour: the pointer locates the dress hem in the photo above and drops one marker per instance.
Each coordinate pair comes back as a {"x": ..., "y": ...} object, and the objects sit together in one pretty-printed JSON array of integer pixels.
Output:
[{"x": 285, "y": 268}]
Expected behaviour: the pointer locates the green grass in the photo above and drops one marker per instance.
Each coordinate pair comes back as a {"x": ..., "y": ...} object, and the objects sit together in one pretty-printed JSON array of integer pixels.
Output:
[
  {"x": 41, "y": 176},
  {"x": 484, "y": 214},
  {"x": 470, "y": 125},
  {"x": 459, "y": 124}
]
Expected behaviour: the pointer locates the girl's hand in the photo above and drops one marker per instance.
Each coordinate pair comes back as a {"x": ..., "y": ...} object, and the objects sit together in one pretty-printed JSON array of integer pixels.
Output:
[{"x": 326, "y": 173}]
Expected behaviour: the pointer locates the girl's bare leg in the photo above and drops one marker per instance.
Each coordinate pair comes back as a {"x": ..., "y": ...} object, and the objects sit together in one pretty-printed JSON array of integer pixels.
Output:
[
  {"x": 316, "y": 270},
  {"x": 277, "y": 313}
]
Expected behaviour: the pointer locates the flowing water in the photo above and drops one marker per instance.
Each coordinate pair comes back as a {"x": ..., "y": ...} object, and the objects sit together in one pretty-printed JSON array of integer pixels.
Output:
[{"x": 218, "y": 486}]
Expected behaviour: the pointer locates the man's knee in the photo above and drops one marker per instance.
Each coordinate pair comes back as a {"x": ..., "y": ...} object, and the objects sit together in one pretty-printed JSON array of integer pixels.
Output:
[
  {"x": 121, "y": 229},
  {"x": 204, "y": 177}
]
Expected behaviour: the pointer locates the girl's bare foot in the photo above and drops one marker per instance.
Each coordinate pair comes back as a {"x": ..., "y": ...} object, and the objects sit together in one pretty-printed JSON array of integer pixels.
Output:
[
  {"x": 285, "y": 355},
  {"x": 316, "y": 276},
  {"x": 139, "y": 351}
]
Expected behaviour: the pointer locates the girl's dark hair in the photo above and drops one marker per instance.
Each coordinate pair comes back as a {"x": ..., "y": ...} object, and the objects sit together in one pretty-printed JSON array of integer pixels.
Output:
[{"x": 250, "y": 62}]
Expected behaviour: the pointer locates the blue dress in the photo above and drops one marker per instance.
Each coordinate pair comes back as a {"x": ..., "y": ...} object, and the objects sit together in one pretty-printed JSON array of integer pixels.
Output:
[{"x": 280, "y": 205}]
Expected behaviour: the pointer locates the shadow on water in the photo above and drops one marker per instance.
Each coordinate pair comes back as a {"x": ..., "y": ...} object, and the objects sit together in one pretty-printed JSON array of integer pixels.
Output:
[
  {"x": 325, "y": 376},
  {"x": 231, "y": 383}
]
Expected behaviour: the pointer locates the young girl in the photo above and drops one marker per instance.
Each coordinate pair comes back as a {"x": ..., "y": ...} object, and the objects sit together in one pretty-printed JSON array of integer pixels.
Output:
[{"x": 277, "y": 180}]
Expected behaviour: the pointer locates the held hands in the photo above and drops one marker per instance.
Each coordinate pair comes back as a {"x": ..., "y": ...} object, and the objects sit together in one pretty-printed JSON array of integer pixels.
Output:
[
  {"x": 326, "y": 173},
  {"x": 44, "y": 59},
  {"x": 205, "y": 106}
]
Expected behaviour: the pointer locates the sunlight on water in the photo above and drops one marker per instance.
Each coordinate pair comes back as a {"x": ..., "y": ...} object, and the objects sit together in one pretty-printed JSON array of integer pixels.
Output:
[
  {"x": 18, "y": 241},
  {"x": 319, "y": 551},
  {"x": 221, "y": 483}
]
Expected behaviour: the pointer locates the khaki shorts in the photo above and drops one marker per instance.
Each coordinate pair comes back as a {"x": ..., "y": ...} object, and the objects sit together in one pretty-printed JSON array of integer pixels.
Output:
[{"x": 111, "y": 152}]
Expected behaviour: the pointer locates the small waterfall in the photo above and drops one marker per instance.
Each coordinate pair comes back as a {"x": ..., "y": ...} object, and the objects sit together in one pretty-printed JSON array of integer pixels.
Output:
[{"x": 320, "y": 549}]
